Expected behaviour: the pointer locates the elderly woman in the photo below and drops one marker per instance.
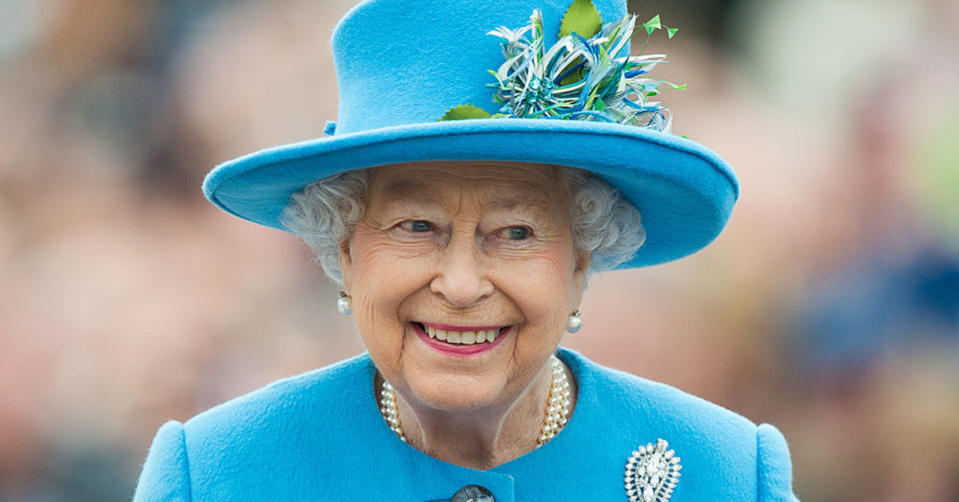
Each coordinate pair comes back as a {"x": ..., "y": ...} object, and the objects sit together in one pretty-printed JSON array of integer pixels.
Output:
[{"x": 462, "y": 249}]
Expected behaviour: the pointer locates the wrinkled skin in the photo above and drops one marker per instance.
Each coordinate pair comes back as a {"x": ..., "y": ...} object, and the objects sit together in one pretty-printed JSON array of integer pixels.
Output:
[{"x": 465, "y": 244}]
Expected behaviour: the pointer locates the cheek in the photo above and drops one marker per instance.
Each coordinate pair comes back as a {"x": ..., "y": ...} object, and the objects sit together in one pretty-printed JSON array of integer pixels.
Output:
[
  {"x": 382, "y": 280},
  {"x": 385, "y": 282},
  {"x": 545, "y": 269},
  {"x": 540, "y": 285},
  {"x": 373, "y": 252}
]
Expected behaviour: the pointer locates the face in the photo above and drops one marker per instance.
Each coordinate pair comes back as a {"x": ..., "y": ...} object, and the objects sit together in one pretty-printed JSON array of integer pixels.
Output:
[{"x": 479, "y": 252}]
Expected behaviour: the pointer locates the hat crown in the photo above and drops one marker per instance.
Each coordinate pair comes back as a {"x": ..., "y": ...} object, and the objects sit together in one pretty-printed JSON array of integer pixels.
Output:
[{"x": 409, "y": 61}]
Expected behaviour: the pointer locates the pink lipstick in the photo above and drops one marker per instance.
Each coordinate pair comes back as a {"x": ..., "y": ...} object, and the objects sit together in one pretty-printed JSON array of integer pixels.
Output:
[{"x": 460, "y": 349}]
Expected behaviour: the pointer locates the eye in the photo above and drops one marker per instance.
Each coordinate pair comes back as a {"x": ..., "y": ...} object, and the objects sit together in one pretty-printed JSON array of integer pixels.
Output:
[
  {"x": 416, "y": 226},
  {"x": 516, "y": 233}
]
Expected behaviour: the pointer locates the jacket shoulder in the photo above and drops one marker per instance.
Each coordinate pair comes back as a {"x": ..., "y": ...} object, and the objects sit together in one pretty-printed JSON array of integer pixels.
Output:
[
  {"x": 166, "y": 472},
  {"x": 632, "y": 399},
  {"x": 318, "y": 392},
  {"x": 724, "y": 456},
  {"x": 267, "y": 445}
]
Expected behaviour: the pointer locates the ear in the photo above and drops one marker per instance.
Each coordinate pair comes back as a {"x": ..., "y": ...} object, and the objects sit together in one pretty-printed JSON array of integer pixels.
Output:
[
  {"x": 346, "y": 264},
  {"x": 580, "y": 274}
]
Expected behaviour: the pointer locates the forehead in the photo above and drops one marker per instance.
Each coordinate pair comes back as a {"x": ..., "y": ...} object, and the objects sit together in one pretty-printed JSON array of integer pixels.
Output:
[{"x": 492, "y": 182}]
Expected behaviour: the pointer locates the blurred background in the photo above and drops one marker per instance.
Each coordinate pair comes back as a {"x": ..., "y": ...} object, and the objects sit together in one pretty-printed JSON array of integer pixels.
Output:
[{"x": 829, "y": 307}]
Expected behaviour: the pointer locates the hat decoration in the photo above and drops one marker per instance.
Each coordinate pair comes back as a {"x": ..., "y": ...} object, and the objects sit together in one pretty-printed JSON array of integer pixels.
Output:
[{"x": 586, "y": 75}]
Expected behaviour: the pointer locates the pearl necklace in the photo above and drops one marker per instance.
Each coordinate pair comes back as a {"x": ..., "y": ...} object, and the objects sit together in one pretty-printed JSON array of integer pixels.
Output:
[{"x": 557, "y": 406}]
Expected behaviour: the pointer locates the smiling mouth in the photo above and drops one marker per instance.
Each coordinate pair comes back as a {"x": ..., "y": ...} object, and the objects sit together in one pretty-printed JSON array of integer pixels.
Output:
[{"x": 463, "y": 336}]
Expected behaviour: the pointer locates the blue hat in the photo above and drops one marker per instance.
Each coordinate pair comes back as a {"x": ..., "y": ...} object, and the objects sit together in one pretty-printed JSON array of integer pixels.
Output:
[{"x": 403, "y": 65}]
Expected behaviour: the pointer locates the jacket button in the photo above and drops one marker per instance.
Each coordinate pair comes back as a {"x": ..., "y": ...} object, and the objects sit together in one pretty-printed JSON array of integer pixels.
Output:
[{"x": 473, "y": 493}]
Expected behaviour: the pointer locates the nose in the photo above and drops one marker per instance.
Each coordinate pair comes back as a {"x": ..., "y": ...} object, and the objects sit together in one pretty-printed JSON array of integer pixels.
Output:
[{"x": 462, "y": 277}]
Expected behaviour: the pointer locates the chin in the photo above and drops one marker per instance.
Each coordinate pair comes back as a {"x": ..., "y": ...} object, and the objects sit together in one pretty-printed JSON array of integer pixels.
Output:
[{"x": 452, "y": 392}]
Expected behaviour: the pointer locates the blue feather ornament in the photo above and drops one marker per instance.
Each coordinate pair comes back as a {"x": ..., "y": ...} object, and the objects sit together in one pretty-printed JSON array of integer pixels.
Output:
[{"x": 578, "y": 78}]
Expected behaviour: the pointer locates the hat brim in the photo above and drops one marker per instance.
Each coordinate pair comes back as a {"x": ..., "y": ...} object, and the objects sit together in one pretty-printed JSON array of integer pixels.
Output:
[{"x": 684, "y": 191}]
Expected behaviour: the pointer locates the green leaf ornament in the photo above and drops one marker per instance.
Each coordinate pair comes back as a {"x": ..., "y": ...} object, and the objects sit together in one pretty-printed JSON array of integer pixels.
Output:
[
  {"x": 465, "y": 112},
  {"x": 582, "y": 18},
  {"x": 652, "y": 25}
]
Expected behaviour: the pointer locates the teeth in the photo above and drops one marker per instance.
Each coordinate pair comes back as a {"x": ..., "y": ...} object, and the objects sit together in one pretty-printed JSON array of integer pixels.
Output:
[{"x": 463, "y": 337}]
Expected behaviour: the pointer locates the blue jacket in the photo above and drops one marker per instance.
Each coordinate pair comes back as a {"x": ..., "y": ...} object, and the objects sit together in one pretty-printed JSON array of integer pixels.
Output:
[{"x": 320, "y": 436}]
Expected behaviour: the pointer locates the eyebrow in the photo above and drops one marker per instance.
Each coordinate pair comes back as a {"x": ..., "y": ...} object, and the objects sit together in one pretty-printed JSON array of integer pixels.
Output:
[
  {"x": 404, "y": 190},
  {"x": 517, "y": 202}
]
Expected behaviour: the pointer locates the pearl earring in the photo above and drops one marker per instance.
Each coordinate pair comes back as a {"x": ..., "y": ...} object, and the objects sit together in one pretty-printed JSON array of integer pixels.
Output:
[
  {"x": 344, "y": 304},
  {"x": 574, "y": 323}
]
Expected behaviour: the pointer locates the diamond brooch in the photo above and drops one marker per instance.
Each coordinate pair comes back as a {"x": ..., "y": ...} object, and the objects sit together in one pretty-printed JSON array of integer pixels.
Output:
[{"x": 652, "y": 473}]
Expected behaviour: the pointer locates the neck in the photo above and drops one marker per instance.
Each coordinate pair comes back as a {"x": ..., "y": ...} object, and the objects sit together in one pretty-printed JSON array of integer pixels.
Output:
[{"x": 480, "y": 438}]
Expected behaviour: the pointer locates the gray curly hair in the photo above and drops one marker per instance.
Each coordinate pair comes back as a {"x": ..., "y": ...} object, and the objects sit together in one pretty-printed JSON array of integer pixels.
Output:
[{"x": 604, "y": 223}]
